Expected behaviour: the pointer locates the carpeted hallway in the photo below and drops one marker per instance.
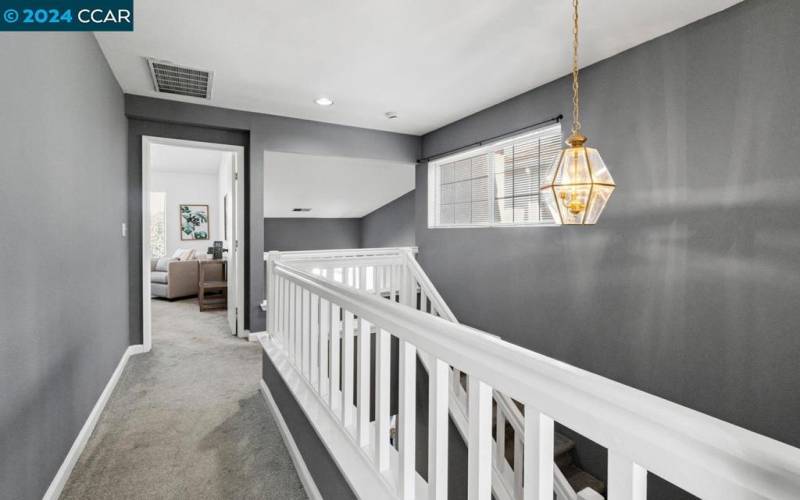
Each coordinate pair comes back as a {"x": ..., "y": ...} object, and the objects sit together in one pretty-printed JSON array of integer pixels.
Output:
[{"x": 187, "y": 420}]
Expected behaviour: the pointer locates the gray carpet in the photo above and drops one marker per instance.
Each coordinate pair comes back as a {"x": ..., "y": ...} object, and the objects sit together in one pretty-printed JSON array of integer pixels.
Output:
[{"x": 187, "y": 420}]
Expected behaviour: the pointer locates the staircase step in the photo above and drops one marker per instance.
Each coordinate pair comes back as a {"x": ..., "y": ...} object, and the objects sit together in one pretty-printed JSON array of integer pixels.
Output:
[
  {"x": 562, "y": 445},
  {"x": 580, "y": 479},
  {"x": 564, "y": 460}
]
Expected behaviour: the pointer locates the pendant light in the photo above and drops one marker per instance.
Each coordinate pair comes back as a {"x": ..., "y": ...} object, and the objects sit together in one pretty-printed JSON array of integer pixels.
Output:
[{"x": 578, "y": 185}]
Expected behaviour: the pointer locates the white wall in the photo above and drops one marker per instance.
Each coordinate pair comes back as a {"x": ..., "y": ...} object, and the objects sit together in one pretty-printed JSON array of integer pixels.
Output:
[{"x": 188, "y": 188}]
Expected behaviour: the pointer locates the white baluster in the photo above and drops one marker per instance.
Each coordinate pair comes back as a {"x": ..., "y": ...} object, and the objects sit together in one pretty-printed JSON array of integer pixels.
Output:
[
  {"x": 334, "y": 368},
  {"x": 479, "y": 455},
  {"x": 314, "y": 343},
  {"x": 518, "y": 465},
  {"x": 298, "y": 328},
  {"x": 287, "y": 307},
  {"x": 270, "y": 282},
  {"x": 438, "y": 427},
  {"x": 407, "y": 415},
  {"x": 282, "y": 312},
  {"x": 382, "y": 398},
  {"x": 324, "y": 327},
  {"x": 500, "y": 439},
  {"x": 538, "y": 453},
  {"x": 305, "y": 362},
  {"x": 362, "y": 278},
  {"x": 363, "y": 382},
  {"x": 627, "y": 480},
  {"x": 395, "y": 283},
  {"x": 292, "y": 320},
  {"x": 423, "y": 301},
  {"x": 347, "y": 369},
  {"x": 276, "y": 308}
]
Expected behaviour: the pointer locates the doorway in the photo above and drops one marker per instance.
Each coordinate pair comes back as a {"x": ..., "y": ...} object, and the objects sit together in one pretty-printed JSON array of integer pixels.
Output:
[{"x": 184, "y": 219}]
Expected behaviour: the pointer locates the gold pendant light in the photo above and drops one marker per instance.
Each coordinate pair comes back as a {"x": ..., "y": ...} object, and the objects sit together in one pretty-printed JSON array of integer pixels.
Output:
[{"x": 578, "y": 185}]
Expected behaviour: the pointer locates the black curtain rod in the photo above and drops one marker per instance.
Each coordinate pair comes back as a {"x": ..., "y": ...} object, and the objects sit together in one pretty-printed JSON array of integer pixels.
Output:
[{"x": 492, "y": 139}]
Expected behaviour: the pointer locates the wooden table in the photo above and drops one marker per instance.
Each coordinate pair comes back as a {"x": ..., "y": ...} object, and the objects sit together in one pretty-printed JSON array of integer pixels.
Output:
[{"x": 218, "y": 296}]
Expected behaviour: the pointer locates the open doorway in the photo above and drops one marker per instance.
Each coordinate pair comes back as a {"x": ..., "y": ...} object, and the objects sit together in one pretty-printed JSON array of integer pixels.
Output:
[{"x": 193, "y": 230}]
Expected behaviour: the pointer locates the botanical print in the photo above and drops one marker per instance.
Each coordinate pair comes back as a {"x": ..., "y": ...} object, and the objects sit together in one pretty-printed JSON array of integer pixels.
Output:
[{"x": 194, "y": 222}]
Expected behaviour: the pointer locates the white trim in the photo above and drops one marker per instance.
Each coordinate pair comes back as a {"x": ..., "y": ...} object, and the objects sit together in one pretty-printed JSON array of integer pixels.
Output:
[
  {"x": 254, "y": 336},
  {"x": 147, "y": 141},
  {"x": 294, "y": 452},
  {"x": 61, "y": 477},
  {"x": 486, "y": 149},
  {"x": 352, "y": 461}
]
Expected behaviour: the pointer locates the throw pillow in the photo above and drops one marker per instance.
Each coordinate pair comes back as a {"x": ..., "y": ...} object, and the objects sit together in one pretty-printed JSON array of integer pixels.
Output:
[
  {"x": 177, "y": 253},
  {"x": 186, "y": 255}
]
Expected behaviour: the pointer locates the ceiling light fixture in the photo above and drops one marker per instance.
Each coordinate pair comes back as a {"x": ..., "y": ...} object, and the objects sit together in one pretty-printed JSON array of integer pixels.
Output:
[
  {"x": 324, "y": 101},
  {"x": 578, "y": 185},
  {"x": 391, "y": 115}
]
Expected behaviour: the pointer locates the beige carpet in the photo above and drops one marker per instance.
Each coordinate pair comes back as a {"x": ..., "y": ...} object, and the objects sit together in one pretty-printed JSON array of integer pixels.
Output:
[{"x": 187, "y": 420}]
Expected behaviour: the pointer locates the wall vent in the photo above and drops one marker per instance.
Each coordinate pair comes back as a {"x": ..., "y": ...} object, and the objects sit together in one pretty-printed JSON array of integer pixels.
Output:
[
  {"x": 301, "y": 210},
  {"x": 173, "y": 78}
]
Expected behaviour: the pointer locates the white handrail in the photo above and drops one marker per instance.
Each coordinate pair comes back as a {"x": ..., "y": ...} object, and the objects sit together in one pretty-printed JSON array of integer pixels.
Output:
[
  {"x": 511, "y": 413},
  {"x": 701, "y": 454}
]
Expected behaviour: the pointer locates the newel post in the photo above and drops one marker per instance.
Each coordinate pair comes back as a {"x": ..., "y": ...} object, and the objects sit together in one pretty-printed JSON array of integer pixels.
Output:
[{"x": 272, "y": 257}]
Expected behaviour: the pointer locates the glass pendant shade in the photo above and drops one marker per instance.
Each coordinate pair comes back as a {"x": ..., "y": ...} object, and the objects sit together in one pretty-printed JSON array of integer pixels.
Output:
[{"x": 578, "y": 185}]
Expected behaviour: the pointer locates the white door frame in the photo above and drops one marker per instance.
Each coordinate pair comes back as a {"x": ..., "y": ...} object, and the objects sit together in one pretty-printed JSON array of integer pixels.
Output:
[{"x": 148, "y": 141}]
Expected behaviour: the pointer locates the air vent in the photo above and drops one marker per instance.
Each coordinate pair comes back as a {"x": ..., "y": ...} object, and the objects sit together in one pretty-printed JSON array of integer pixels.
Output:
[
  {"x": 181, "y": 80},
  {"x": 301, "y": 210}
]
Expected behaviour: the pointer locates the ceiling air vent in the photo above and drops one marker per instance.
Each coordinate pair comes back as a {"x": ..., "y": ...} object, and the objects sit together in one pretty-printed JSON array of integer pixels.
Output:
[{"x": 181, "y": 80}]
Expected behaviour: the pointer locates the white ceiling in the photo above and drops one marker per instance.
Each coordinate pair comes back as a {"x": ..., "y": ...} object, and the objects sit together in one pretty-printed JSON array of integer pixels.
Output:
[
  {"x": 431, "y": 61},
  {"x": 331, "y": 186},
  {"x": 183, "y": 160}
]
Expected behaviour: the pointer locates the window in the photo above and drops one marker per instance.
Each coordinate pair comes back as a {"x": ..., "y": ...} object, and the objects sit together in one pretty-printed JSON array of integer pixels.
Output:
[
  {"x": 158, "y": 219},
  {"x": 494, "y": 185}
]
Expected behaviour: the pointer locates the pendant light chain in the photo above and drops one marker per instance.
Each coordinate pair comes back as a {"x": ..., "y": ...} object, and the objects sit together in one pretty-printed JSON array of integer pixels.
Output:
[{"x": 576, "y": 100}]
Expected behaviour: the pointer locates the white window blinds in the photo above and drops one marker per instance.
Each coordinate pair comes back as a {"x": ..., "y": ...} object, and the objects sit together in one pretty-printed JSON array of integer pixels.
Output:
[{"x": 497, "y": 184}]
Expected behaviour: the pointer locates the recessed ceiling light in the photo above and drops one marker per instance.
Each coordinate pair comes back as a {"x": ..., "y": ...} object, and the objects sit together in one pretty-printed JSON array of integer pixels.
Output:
[
  {"x": 391, "y": 115},
  {"x": 324, "y": 101}
]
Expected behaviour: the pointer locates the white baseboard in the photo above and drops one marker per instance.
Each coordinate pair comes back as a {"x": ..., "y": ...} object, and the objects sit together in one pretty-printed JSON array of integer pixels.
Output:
[
  {"x": 60, "y": 479},
  {"x": 137, "y": 349},
  {"x": 255, "y": 336},
  {"x": 299, "y": 464}
]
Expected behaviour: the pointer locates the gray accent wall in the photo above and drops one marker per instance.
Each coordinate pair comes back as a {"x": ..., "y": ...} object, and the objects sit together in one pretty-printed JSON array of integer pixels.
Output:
[
  {"x": 688, "y": 287},
  {"x": 268, "y": 133},
  {"x": 392, "y": 225},
  {"x": 64, "y": 286},
  {"x": 287, "y": 234}
]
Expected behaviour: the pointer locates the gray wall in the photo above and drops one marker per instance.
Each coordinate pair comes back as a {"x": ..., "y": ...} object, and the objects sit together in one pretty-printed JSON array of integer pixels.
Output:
[
  {"x": 268, "y": 133},
  {"x": 287, "y": 234},
  {"x": 392, "y": 225},
  {"x": 688, "y": 287},
  {"x": 64, "y": 286}
]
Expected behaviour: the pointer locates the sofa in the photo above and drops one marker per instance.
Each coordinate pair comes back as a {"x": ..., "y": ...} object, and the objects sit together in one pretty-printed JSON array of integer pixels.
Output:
[{"x": 174, "y": 278}]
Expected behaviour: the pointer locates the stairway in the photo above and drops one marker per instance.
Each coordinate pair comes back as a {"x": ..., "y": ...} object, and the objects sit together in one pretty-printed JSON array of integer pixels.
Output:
[{"x": 564, "y": 456}]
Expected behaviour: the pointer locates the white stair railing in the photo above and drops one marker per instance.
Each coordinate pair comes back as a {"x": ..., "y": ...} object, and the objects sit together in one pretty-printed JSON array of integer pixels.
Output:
[{"x": 332, "y": 298}]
